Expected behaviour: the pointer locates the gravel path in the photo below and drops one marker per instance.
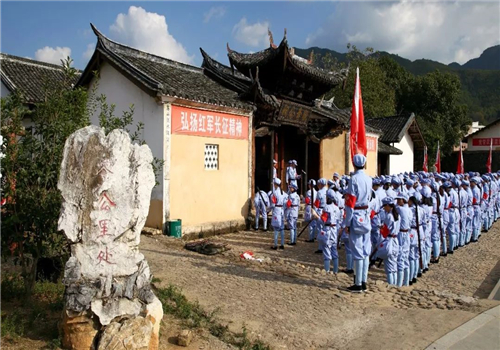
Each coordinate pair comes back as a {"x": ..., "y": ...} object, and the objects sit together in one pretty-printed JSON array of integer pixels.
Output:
[{"x": 290, "y": 303}]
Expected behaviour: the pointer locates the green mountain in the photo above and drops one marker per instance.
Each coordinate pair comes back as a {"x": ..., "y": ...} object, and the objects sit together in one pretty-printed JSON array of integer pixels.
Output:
[
  {"x": 480, "y": 77},
  {"x": 489, "y": 59}
]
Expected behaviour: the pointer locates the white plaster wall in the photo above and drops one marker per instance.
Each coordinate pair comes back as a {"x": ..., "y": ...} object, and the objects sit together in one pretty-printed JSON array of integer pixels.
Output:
[
  {"x": 120, "y": 91},
  {"x": 4, "y": 91},
  {"x": 404, "y": 162},
  {"x": 493, "y": 132}
]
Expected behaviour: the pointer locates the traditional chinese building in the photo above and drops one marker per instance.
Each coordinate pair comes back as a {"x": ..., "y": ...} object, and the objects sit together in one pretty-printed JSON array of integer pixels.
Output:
[
  {"x": 201, "y": 130},
  {"x": 219, "y": 127},
  {"x": 291, "y": 121},
  {"x": 478, "y": 149},
  {"x": 31, "y": 79},
  {"x": 402, "y": 138}
]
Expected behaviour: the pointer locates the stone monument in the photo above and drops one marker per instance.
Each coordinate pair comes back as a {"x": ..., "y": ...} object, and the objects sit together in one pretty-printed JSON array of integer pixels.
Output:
[{"x": 106, "y": 184}]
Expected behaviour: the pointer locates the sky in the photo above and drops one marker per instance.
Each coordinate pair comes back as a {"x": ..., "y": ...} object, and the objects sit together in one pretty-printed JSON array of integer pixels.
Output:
[{"x": 445, "y": 31}]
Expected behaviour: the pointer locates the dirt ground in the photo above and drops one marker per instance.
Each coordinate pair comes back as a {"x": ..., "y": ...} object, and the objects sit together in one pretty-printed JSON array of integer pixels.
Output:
[{"x": 288, "y": 302}]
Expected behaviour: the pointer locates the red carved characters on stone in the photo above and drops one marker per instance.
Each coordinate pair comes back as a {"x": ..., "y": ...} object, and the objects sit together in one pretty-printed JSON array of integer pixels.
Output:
[
  {"x": 103, "y": 228},
  {"x": 105, "y": 203},
  {"x": 104, "y": 256}
]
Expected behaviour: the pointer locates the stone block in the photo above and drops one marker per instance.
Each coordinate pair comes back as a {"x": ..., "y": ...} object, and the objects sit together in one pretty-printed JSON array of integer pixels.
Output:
[{"x": 184, "y": 338}]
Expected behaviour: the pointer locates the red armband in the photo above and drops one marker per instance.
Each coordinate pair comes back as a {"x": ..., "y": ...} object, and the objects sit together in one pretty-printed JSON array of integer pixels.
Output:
[
  {"x": 474, "y": 201},
  {"x": 324, "y": 216},
  {"x": 289, "y": 203},
  {"x": 372, "y": 214},
  {"x": 485, "y": 195},
  {"x": 350, "y": 200},
  {"x": 450, "y": 205},
  {"x": 384, "y": 231},
  {"x": 308, "y": 200},
  {"x": 316, "y": 203},
  {"x": 273, "y": 199}
]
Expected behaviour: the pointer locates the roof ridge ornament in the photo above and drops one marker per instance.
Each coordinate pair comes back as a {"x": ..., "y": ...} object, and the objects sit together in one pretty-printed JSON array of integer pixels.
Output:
[
  {"x": 228, "y": 48},
  {"x": 311, "y": 57},
  {"x": 271, "y": 40}
]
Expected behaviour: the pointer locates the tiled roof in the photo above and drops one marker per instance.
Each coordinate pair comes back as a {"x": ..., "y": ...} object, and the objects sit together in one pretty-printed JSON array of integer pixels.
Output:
[
  {"x": 31, "y": 78},
  {"x": 393, "y": 128},
  {"x": 161, "y": 76},
  {"x": 386, "y": 149}
]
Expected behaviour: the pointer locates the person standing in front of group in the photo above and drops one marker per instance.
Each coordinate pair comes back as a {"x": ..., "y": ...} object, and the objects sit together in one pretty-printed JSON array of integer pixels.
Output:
[
  {"x": 357, "y": 221},
  {"x": 277, "y": 202}
]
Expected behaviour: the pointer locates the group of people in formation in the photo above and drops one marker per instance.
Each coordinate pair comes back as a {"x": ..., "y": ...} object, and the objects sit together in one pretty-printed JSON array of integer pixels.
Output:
[{"x": 408, "y": 221}]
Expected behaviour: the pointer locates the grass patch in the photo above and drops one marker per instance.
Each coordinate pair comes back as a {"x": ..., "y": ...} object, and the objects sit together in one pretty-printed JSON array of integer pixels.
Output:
[
  {"x": 36, "y": 318},
  {"x": 155, "y": 280},
  {"x": 193, "y": 316}
]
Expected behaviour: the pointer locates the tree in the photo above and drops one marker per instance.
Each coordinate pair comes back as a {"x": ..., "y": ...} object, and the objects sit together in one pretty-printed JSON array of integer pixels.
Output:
[
  {"x": 434, "y": 98},
  {"x": 378, "y": 95},
  {"x": 31, "y": 170}
]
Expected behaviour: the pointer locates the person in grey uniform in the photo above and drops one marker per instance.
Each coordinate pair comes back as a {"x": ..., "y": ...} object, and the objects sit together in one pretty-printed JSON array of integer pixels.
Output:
[
  {"x": 357, "y": 221},
  {"x": 261, "y": 202}
]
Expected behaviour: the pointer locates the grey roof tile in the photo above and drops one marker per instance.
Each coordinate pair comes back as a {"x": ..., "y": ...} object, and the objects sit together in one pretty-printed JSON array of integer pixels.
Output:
[{"x": 29, "y": 77}]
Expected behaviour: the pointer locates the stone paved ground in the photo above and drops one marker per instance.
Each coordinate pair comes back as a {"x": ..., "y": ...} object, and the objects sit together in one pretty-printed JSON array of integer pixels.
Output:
[{"x": 289, "y": 303}]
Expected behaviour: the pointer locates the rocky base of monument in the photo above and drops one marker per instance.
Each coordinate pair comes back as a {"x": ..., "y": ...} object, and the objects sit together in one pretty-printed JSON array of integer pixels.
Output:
[
  {"x": 122, "y": 313},
  {"x": 106, "y": 184}
]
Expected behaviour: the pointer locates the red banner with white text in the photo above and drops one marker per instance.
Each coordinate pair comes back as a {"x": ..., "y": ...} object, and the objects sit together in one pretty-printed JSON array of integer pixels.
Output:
[{"x": 197, "y": 122}]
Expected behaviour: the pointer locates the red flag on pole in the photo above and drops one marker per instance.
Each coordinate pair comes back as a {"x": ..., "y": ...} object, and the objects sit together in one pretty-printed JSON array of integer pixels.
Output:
[
  {"x": 358, "y": 134},
  {"x": 460, "y": 165},
  {"x": 425, "y": 159},
  {"x": 438, "y": 160},
  {"x": 488, "y": 163}
]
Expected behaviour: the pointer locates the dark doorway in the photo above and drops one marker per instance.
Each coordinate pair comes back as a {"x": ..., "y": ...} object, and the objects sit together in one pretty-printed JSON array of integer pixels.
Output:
[
  {"x": 313, "y": 161},
  {"x": 290, "y": 143},
  {"x": 382, "y": 164},
  {"x": 262, "y": 163}
]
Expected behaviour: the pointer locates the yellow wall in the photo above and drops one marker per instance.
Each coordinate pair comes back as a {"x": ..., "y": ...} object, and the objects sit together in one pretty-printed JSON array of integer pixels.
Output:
[
  {"x": 202, "y": 196},
  {"x": 332, "y": 152}
]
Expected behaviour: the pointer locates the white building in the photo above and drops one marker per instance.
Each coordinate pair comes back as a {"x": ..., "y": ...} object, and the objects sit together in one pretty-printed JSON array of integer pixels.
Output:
[
  {"x": 401, "y": 132},
  {"x": 200, "y": 129}
]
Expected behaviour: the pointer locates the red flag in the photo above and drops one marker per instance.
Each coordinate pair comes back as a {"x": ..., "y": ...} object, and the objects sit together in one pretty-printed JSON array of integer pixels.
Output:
[
  {"x": 358, "y": 134},
  {"x": 425, "y": 159},
  {"x": 438, "y": 160},
  {"x": 460, "y": 165},
  {"x": 488, "y": 163}
]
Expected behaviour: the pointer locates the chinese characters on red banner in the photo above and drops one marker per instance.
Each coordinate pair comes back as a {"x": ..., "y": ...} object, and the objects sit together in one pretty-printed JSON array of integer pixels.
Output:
[
  {"x": 195, "y": 122},
  {"x": 485, "y": 142}
]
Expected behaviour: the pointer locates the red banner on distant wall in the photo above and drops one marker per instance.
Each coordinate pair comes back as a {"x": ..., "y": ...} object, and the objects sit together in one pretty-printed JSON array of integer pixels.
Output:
[
  {"x": 197, "y": 122},
  {"x": 371, "y": 144},
  {"x": 486, "y": 141}
]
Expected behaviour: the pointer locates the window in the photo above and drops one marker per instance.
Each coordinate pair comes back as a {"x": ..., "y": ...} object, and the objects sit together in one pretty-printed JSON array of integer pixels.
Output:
[{"x": 211, "y": 157}]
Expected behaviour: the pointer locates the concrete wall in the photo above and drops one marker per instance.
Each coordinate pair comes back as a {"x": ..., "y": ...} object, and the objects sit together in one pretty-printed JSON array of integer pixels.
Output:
[
  {"x": 404, "y": 162},
  {"x": 120, "y": 91},
  {"x": 199, "y": 196},
  {"x": 484, "y": 135}
]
